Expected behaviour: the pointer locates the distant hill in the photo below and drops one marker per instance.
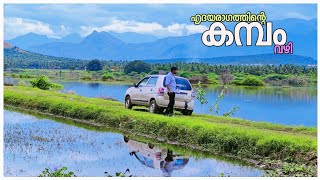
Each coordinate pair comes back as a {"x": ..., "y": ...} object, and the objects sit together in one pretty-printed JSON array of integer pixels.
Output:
[
  {"x": 29, "y": 40},
  {"x": 18, "y": 58},
  {"x": 32, "y": 39},
  {"x": 71, "y": 38},
  {"x": 120, "y": 46},
  {"x": 260, "y": 59},
  {"x": 131, "y": 37},
  {"x": 14, "y": 54}
]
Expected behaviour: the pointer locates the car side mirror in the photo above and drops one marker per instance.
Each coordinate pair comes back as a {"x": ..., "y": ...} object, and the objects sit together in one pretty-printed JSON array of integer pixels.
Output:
[{"x": 134, "y": 85}]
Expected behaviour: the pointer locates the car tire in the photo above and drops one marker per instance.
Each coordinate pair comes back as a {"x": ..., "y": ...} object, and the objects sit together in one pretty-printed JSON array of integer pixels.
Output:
[
  {"x": 187, "y": 112},
  {"x": 128, "y": 103},
  {"x": 153, "y": 107}
]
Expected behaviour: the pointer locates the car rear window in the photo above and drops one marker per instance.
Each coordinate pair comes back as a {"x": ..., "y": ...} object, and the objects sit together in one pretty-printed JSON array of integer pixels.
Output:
[{"x": 182, "y": 84}]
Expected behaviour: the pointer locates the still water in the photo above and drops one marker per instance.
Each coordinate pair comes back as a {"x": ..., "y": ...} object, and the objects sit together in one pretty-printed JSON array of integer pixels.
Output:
[
  {"x": 32, "y": 144},
  {"x": 288, "y": 106}
]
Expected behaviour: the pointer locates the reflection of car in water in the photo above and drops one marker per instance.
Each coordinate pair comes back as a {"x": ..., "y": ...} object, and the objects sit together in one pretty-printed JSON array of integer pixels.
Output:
[{"x": 156, "y": 157}]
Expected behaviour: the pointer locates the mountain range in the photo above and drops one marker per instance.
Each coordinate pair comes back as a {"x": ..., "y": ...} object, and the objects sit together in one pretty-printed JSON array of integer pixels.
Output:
[
  {"x": 29, "y": 40},
  {"x": 131, "y": 46},
  {"x": 13, "y": 53}
]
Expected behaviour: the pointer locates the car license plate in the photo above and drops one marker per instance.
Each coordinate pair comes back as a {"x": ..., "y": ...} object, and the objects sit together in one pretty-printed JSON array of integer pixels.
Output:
[{"x": 180, "y": 96}]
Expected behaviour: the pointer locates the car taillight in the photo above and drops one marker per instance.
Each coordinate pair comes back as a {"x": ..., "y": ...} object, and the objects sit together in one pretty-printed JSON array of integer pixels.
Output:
[
  {"x": 193, "y": 94},
  {"x": 160, "y": 91}
]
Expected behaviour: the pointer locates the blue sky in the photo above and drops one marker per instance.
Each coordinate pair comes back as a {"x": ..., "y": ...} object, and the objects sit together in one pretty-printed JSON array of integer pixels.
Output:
[{"x": 58, "y": 20}]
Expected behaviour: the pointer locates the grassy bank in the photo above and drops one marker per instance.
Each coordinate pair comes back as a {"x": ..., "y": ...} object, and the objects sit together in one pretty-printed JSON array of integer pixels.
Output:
[{"x": 214, "y": 134}]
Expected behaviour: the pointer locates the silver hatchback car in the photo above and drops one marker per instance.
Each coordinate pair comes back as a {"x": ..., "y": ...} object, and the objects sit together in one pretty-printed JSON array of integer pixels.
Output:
[{"x": 151, "y": 92}]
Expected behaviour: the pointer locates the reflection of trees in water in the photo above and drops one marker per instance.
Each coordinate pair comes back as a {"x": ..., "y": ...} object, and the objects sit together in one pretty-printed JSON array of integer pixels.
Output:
[
  {"x": 291, "y": 93},
  {"x": 94, "y": 85}
]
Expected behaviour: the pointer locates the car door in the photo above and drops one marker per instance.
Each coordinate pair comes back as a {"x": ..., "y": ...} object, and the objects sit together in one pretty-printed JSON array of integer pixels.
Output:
[
  {"x": 137, "y": 99},
  {"x": 149, "y": 90}
]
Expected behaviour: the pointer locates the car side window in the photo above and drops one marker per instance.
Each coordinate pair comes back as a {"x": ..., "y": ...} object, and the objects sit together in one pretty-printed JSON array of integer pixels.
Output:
[
  {"x": 152, "y": 82},
  {"x": 143, "y": 82}
]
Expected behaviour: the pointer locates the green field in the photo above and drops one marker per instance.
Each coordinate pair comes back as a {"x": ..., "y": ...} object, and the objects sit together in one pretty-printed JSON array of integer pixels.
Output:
[{"x": 220, "y": 135}]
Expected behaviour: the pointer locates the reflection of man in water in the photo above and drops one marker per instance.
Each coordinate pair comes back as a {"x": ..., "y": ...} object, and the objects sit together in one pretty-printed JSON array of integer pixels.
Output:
[{"x": 167, "y": 165}]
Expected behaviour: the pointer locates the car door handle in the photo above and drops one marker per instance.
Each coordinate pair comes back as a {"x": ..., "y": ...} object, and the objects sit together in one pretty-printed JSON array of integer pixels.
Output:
[
  {"x": 140, "y": 90},
  {"x": 150, "y": 89}
]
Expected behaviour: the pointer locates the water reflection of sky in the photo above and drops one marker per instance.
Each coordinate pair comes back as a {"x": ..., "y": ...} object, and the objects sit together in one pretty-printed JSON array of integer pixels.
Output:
[{"x": 33, "y": 144}]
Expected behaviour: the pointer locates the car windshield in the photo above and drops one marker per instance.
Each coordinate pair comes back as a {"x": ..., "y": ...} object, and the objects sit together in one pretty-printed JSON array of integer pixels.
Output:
[{"x": 182, "y": 84}]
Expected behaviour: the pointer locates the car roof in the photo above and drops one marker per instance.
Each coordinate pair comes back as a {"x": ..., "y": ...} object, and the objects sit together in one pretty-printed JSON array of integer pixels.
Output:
[{"x": 158, "y": 75}]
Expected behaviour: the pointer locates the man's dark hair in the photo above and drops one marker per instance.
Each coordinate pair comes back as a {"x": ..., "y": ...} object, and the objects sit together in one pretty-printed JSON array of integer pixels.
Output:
[{"x": 173, "y": 68}]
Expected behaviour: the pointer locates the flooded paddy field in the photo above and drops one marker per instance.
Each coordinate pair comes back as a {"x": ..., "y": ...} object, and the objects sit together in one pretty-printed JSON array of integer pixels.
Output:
[{"x": 33, "y": 143}]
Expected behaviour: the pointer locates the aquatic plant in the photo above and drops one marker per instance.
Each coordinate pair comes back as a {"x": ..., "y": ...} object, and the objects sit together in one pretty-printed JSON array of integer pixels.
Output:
[
  {"x": 57, "y": 173},
  {"x": 119, "y": 174}
]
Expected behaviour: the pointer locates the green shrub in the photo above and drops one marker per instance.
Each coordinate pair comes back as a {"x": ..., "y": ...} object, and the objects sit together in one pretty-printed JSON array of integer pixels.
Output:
[
  {"x": 252, "y": 81},
  {"x": 106, "y": 77},
  {"x": 275, "y": 77},
  {"x": 86, "y": 77},
  {"x": 21, "y": 83},
  {"x": 42, "y": 82},
  {"x": 94, "y": 65},
  {"x": 185, "y": 74},
  {"x": 118, "y": 73},
  {"x": 237, "y": 82},
  {"x": 213, "y": 81},
  {"x": 137, "y": 66},
  {"x": 296, "y": 81},
  {"x": 133, "y": 73}
]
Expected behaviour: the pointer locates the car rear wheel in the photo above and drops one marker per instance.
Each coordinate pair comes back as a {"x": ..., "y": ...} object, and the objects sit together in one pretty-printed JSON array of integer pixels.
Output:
[
  {"x": 128, "y": 103},
  {"x": 187, "y": 112},
  {"x": 153, "y": 107}
]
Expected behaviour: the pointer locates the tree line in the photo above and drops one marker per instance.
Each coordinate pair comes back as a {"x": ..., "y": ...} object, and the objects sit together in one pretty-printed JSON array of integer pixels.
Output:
[{"x": 29, "y": 60}]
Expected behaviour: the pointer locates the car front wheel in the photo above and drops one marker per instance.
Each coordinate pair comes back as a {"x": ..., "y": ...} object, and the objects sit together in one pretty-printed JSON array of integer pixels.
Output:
[{"x": 128, "y": 103}]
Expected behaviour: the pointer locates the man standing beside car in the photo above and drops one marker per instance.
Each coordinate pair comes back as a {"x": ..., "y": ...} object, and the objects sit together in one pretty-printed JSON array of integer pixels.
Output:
[{"x": 170, "y": 82}]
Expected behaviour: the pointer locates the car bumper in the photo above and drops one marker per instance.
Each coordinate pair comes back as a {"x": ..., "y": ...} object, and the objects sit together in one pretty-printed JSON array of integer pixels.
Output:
[{"x": 177, "y": 105}]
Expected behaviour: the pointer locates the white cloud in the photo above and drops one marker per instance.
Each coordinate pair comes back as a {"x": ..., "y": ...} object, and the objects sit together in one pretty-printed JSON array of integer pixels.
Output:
[
  {"x": 298, "y": 15},
  {"x": 153, "y": 28},
  {"x": 14, "y": 26}
]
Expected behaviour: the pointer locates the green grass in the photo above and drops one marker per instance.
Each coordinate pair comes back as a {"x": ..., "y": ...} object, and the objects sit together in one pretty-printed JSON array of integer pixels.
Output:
[{"x": 211, "y": 133}]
